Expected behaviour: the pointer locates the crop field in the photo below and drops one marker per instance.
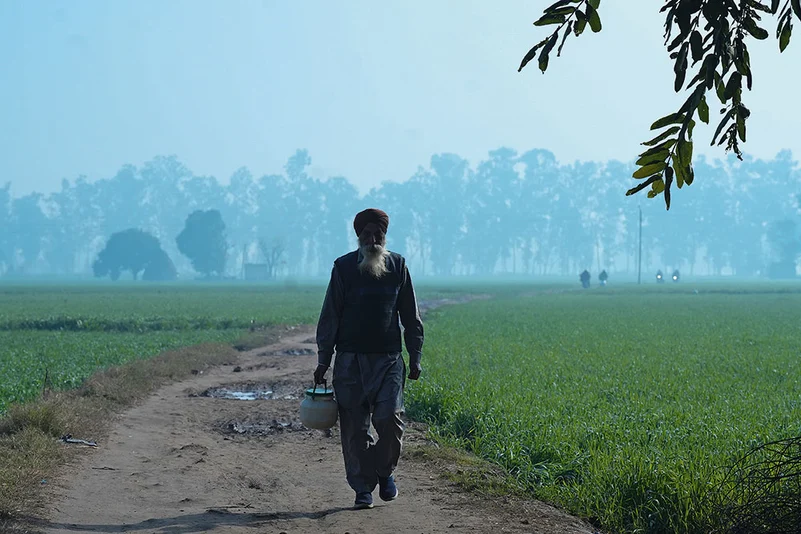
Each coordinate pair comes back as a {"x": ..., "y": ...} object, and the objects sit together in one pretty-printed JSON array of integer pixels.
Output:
[
  {"x": 154, "y": 307},
  {"x": 72, "y": 331},
  {"x": 624, "y": 406},
  {"x": 68, "y": 332}
]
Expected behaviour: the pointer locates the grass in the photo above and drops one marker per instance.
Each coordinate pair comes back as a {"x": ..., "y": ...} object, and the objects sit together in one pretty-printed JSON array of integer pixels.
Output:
[
  {"x": 30, "y": 450},
  {"x": 470, "y": 472},
  {"x": 141, "y": 308},
  {"x": 71, "y": 356},
  {"x": 624, "y": 407},
  {"x": 57, "y": 336},
  {"x": 34, "y": 360}
]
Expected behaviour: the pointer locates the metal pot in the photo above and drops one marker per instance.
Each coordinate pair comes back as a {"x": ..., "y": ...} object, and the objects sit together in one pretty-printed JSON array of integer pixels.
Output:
[{"x": 318, "y": 409}]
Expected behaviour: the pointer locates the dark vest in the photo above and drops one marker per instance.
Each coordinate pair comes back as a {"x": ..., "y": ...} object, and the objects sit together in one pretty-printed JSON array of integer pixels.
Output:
[{"x": 369, "y": 321}]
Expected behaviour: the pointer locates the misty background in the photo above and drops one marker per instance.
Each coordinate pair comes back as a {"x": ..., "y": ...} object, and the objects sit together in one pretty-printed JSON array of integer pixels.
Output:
[{"x": 289, "y": 117}]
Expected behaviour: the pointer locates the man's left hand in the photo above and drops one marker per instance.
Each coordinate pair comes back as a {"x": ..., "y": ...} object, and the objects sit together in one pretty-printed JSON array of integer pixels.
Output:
[{"x": 414, "y": 371}]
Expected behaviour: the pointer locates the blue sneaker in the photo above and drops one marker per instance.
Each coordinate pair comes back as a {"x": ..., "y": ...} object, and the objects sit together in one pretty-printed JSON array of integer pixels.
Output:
[
  {"x": 364, "y": 500},
  {"x": 387, "y": 489}
]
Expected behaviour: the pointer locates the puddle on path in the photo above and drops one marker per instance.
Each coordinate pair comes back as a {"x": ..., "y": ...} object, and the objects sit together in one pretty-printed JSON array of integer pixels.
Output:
[
  {"x": 261, "y": 428},
  {"x": 251, "y": 392}
]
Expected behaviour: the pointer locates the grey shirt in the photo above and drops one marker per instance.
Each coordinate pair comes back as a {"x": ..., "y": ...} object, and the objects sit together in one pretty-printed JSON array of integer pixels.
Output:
[{"x": 331, "y": 313}]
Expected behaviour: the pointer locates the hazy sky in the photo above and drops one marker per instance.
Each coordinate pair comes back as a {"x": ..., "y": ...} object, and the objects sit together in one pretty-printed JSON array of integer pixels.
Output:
[{"x": 371, "y": 89}]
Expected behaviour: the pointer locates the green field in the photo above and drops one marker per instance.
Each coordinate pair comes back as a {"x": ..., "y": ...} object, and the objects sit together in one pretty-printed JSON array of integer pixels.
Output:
[
  {"x": 129, "y": 307},
  {"x": 68, "y": 332},
  {"x": 72, "y": 331},
  {"x": 623, "y": 405}
]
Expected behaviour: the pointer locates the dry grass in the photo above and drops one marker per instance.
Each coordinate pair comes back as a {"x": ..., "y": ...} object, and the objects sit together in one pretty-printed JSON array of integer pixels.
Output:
[
  {"x": 258, "y": 338},
  {"x": 30, "y": 448},
  {"x": 466, "y": 470}
]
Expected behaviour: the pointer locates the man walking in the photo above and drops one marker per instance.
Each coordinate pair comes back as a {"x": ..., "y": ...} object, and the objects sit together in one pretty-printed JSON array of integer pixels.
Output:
[{"x": 369, "y": 291}]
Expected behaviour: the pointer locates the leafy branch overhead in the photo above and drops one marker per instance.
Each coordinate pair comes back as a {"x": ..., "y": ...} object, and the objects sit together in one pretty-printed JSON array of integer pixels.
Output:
[{"x": 705, "y": 37}]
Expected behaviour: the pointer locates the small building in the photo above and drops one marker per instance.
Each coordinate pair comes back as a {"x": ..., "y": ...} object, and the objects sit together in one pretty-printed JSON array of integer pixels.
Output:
[{"x": 257, "y": 272}]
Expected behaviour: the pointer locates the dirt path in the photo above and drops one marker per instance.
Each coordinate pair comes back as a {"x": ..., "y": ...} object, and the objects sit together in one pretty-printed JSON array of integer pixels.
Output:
[{"x": 184, "y": 462}]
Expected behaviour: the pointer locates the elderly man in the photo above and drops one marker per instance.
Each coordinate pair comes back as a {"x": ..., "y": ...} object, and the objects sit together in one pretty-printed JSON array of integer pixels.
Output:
[{"x": 369, "y": 291}]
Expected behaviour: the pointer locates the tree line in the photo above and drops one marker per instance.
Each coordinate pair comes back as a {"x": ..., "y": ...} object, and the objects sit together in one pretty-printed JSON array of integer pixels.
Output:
[{"x": 517, "y": 213}]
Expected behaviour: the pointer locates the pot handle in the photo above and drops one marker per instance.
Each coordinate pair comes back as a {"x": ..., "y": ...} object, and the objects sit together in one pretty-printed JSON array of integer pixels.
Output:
[{"x": 325, "y": 387}]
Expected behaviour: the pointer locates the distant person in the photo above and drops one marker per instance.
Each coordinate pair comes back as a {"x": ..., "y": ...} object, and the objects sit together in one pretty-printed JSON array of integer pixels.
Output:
[
  {"x": 676, "y": 275},
  {"x": 369, "y": 296},
  {"x": 659, "y": 277},
  {"x": 585, "y": 279},
  {"x": 603, "y": 277}
]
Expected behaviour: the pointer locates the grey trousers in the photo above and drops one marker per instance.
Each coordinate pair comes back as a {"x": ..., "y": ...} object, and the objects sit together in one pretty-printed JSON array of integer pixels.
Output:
[{"x": 369, "y": 387}]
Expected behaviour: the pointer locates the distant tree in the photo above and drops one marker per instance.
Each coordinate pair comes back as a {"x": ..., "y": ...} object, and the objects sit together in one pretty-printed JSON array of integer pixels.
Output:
[
  {"x": 272, "y": 253},
  {"x": 160, "y": 269},
  {"x": 76, "y": 219},
  {"x": 203, "y": 241},
  {"x": 712, "y": 33},
  {"x": 130, "y": 250},
  {"x": 5, "y": 223},
  {"x": 27, "y": 228},
  {"x": 785, "y": 246}
]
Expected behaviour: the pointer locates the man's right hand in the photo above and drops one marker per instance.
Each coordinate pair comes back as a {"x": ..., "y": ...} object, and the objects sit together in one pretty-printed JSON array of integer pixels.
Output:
[
  {"x": 319, "y": 373},
  {"x": 415, "y": 369}
]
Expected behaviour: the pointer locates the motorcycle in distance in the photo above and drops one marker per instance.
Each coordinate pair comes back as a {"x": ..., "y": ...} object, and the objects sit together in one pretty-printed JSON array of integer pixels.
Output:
[
  {"x": 660, "y": 279},
  {"x": 585, "y": 279},
  {"x": 676, "y": 275}
]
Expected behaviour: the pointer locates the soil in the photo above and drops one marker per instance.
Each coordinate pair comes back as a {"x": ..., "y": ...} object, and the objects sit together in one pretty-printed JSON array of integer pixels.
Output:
[{"x": 197, "y": 457}]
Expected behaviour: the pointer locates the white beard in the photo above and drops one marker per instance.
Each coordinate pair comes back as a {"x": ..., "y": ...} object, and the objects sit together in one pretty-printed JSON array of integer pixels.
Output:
[{"x": 374, "y": 261}]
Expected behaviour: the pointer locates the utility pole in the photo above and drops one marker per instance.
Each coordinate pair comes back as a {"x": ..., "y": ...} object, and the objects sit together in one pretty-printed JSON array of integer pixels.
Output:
[
  {"x": 244, "y": 257},
  {"x": 639, "y": 255}
]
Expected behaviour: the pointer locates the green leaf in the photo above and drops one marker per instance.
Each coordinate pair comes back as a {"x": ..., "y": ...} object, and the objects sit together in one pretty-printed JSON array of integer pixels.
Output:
[
  {"x": 723, "y": 121},
  {"x": 543, "y": 59},
  {"x": 684, "y": 151},
  {"x": 734, "y": 84},
  {"x": 564, "y": 38},
  {"x": 796, "y": 8},
  {"x": 661, "y": 137},
  {"x": 752, "y": 28},
  {"x": 784, "y": 39},
  {"x": 690, "y": 128},
  {"x": 696, "y": 45},
  {"x": 720, "y": 88},
  {"x": 643, "y": 185},
  {"x": 703, "y": 110},
  {"x": 581, "y": 23},
  {"x": 741, "y": 127},
  {"x": 668, "y": 179},
  {"x": 658, "y": 186},
  {"x": 563, "y": 11},
  {"x": 594, "y": 19},
  {"x": 682, "y": 173},
  {"x": 649, "y": 170},
  {"x": 661, "y": 146},
  {"x": 690, "y": 175},
  {"x": 709, "y": 66},
  {"x": 680, "y": 67},
  {"x": 547, "y": 19},
  {"x": 759, "y": 6},
  {"x": 673, "y": 118},
  {"x": 559, "y": 4},
  {"x": 595, "y": 3},
  {"x": 656, "y": 157},
  {"x": 774, "y": 6},
  {"x": 531, "y": 53}
]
